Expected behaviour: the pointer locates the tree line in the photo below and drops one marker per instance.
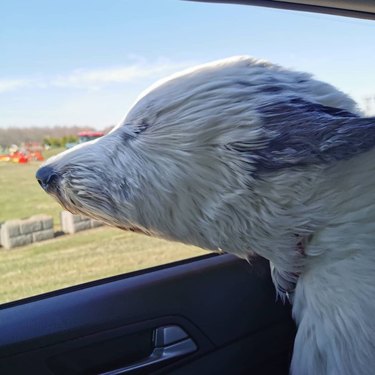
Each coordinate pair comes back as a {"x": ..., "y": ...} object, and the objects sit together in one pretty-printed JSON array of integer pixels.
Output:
[
  {"x": 60, "y": 141},
  {"x": 54, "y": 136}
]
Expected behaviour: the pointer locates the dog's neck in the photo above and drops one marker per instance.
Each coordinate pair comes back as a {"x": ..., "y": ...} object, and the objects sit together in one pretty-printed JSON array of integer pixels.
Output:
[
  {"x": 333, "y": 300},
  {"x": 340, "y": 214},
  {"x": 349, "y": 197}
]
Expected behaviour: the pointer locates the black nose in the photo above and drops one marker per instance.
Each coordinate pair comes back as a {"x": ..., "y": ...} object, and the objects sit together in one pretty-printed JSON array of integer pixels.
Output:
[{"x": 46, "y": 177}]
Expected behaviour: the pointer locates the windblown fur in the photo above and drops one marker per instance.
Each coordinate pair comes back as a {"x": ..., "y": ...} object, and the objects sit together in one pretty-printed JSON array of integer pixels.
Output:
[{"x": 249, "y": 158}]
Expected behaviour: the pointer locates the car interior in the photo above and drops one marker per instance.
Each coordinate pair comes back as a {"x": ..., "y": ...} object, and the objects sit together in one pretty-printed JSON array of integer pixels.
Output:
[{"x": 214, "y": 314}]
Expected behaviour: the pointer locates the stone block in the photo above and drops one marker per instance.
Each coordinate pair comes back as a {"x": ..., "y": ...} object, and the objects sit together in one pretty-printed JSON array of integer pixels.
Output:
[
  {"x": 79, "y": 218},
  {"x": 74, "y": 223},
  {"x": 30, "y": 225},
  {"x": 11, "y": 228},
  {"x": 95, "y": 223},
  {"x": 67, "y": 222},
  {"x": 47, "y": 221},
  {"x": 21, "y": 240},
  {"x": 43, "y": 235},
  {"x": 83, "y": 225}
]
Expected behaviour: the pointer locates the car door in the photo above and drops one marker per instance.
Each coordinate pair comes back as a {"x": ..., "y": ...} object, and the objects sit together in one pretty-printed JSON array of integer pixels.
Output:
[{"x": 212, "y": 315}]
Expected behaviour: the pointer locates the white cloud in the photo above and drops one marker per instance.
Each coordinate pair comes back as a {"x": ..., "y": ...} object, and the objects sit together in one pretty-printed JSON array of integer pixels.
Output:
[
  {"x": 367, "y": 103},
  {"x": 96, "y": 78},
  {"x": 98, "y": 97},
  {"x": 12, "y": 84}
]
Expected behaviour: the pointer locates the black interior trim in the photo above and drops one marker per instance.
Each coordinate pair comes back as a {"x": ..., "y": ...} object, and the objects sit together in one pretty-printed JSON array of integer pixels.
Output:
[{"x": 355, "y": 9}]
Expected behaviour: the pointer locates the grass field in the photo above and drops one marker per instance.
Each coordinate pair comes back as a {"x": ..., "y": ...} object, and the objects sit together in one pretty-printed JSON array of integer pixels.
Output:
[
  {"x": 70, "y": 259},
  {"x": 21, "y": 195}
]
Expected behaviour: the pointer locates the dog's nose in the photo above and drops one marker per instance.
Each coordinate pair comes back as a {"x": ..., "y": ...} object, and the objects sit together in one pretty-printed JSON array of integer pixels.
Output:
[{"x": 46, "y": 177}]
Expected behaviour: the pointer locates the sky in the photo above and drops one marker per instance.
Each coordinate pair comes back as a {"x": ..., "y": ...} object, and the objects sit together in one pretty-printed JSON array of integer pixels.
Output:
[{"x": 85, "y": 62}]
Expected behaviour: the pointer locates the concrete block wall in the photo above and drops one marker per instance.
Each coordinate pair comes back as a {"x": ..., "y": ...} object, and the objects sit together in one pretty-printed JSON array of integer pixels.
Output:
[
  {"x": 75, "y": 223},
  {"x": 14, "y": 233}
]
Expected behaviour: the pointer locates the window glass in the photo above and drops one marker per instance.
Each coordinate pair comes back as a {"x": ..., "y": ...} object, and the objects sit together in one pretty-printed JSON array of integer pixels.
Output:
[{"x": 69, "y": 72}]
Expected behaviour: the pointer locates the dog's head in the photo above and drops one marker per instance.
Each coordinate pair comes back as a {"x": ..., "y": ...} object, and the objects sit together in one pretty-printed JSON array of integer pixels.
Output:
[{"x": 223, "y": 156}]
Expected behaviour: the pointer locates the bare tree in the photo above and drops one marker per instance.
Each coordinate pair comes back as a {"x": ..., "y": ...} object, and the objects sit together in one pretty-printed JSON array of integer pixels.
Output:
[{"x": 9, "y": 136}]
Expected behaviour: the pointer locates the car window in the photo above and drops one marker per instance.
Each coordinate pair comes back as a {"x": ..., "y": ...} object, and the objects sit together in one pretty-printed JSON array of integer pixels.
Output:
[{"x": 69, "y": 73}]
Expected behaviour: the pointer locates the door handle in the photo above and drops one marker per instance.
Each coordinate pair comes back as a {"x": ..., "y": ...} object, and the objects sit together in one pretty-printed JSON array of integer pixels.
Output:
[{"x": 170, "y": 342}]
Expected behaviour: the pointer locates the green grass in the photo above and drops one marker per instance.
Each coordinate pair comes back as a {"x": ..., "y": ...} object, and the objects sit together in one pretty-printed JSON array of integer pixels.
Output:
[
  {"x": 20, "y": 193},
  {"x": 70, "y": 259},
  {"x": 85, "y": 256}
]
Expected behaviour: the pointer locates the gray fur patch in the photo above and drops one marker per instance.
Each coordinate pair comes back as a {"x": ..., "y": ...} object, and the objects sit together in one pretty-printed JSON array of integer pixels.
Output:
[
  {"x": 126, "y": 136},
  {"x": 302, "y": 133}
]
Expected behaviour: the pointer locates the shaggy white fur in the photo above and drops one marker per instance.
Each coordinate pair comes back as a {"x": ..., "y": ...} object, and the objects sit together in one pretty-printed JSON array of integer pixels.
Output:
[{"x": 249, "y": 158}]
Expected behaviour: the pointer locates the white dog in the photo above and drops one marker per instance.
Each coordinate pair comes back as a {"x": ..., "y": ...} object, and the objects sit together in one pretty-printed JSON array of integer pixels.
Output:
[{"x": 247, "y": 157}]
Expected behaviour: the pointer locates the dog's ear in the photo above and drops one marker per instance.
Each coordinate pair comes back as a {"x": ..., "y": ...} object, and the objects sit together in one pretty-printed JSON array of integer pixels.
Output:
[{"x": 297, "y": 133}]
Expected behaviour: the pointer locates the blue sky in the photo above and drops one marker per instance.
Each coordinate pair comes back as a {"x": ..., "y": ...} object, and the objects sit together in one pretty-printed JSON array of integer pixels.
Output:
[{"x": 84, "y": 62}]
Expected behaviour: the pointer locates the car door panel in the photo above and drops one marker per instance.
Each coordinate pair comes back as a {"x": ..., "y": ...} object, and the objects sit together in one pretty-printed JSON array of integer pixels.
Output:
[{"x": 226, "y": 307}]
